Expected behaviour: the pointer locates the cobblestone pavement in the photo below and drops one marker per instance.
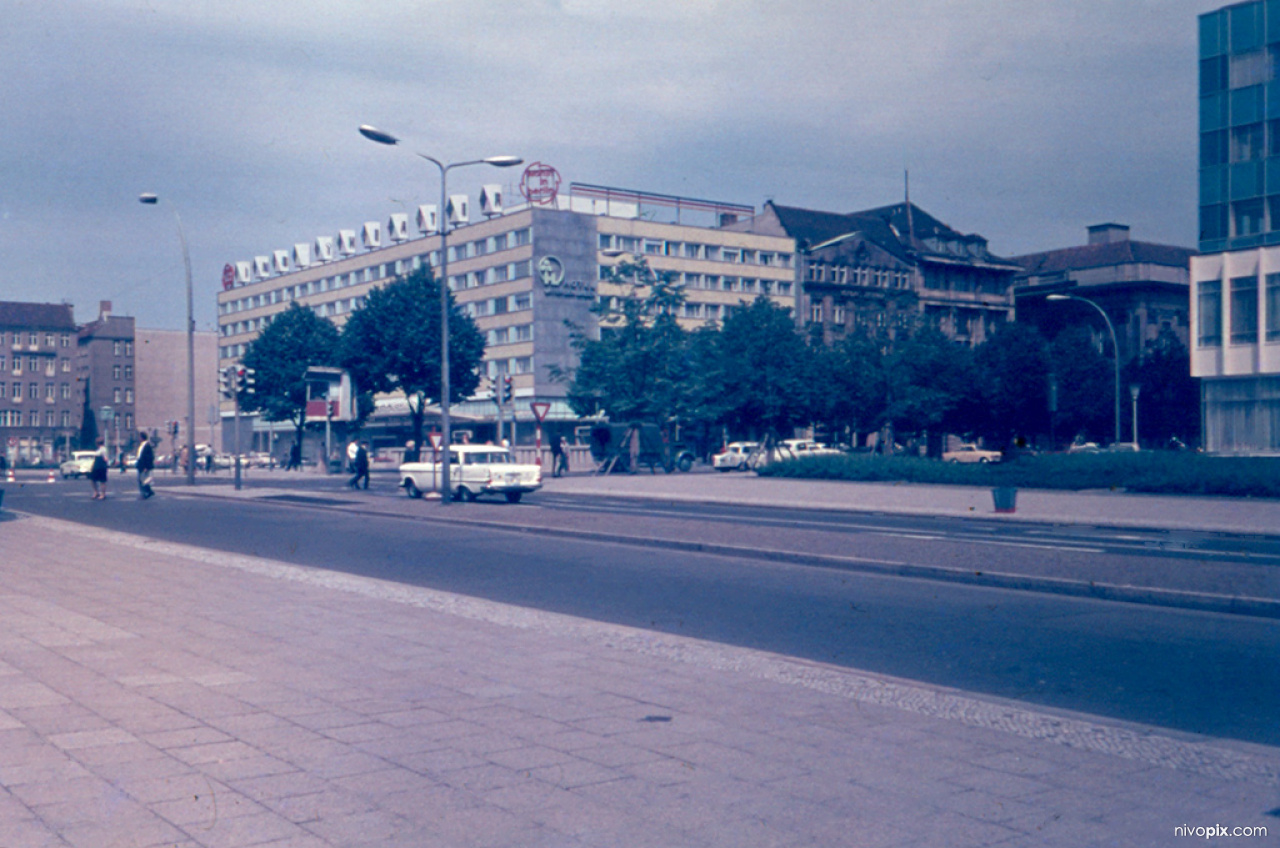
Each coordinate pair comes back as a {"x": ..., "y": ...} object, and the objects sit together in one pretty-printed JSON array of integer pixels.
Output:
[{"x": 158, "y": 694}]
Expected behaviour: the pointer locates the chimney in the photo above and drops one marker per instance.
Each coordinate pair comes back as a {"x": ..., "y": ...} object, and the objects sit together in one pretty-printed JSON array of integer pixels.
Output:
[
  {"x": 1108, "y": 233},
  {"x": 104, "y": 309}
]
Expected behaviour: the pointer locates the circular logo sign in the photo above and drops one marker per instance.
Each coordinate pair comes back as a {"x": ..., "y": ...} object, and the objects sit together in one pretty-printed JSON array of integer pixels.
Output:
[
  {"x": 540, "y": 184},
  {"x": 550, "y": 271}
]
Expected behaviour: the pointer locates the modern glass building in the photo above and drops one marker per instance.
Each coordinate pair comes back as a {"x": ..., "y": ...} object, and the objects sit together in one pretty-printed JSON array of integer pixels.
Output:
[{"x": 1235, "y": 309}]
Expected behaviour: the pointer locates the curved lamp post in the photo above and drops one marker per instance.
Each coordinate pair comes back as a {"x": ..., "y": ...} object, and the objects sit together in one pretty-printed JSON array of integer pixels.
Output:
[
  {"x": 1115, "y": 345},
  {"x": 375, "y": 134},
  {"x": 152, "y": 200}
]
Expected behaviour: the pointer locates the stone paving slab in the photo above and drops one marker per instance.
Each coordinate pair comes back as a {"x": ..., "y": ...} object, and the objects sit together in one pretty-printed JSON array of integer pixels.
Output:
[{"x": 221, "y": 700}]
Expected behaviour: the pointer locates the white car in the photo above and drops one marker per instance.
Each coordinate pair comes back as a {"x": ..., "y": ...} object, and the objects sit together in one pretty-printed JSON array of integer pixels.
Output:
[
  {"x": 734, "y": 456},
  {"x": 971, "y": 453},
  {"x": 79, "y": 465},
  {"x": 474, "y": 470},
  {"x": 792, "y": 449}
]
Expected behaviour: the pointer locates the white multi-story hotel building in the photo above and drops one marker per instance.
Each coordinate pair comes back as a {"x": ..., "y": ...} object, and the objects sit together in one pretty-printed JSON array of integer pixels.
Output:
[{"x": 528, "y": 275}]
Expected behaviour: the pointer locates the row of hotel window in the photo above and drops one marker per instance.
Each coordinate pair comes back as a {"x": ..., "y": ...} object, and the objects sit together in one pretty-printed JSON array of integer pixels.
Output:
[
  {"x": 33, "y": 338},
  {"x": 374, "y": 273},
  {"x": 41, "y": 364},
  {"x": 1243, "y": 292},
  {"x": 13, "y": 418},
  {"x": 818, "y": 272},
  {"x": 33, "y": 391},
  {"x": 716, "y": 282},
  {"x": 55, "y": 391},
  {"x": 690, "y": 250}
]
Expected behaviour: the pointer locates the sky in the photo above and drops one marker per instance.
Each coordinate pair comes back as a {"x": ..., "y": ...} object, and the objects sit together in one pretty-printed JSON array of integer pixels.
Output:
[{"x": 1024, "y": 121}]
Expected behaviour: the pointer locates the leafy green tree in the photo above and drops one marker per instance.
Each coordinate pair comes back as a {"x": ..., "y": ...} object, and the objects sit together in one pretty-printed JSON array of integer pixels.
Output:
[
  {"x": 848, "y": 380},
  {"x": 392, "y": 344},
  {"x": 281, "y": 354},
  {"x": 1086, "y": 386},
  {"x": 763, "y": 371},
  {"x": 931, "y": 387},
  {"x": 638, "y": 368},
  {"x": 1169, "y": 397},
  {"x": 1013, "y": 369}
]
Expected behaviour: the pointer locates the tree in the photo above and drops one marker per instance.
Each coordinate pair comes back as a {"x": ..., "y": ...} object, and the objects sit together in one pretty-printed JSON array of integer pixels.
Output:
[
  {"x": 281, "y": 354},
  {"x": 392, "y": 344},
  {"x": 88, "y": 422},
  {"x": 1014, "y": 373},
  {"x": 762, "y": 371},
  {"x": 931, "y": 387},
  {"x": 849, "y": 384},
  {"x": 638, "y": 368},
  {"x": 1169, "y": 397},
  {"x": 1086, "y": 386}
]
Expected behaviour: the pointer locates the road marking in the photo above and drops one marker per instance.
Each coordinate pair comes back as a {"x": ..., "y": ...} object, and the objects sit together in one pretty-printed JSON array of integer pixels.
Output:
[{"x": 1140, "y": 743}]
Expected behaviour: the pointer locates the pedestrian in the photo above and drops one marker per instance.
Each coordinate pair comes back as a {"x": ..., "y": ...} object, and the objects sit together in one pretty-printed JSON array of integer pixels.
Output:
[
  {"x": 361, "y": 465},
  {"x": 295, "y": 457},
  {"x": 559, "y": 457},
  {"x": 146, "y": 463},
  {"x": 98, "y": 472}
]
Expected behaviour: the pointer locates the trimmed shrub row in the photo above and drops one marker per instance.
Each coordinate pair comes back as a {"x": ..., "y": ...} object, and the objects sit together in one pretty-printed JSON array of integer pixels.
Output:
[{"x": 1157, "y": 472}]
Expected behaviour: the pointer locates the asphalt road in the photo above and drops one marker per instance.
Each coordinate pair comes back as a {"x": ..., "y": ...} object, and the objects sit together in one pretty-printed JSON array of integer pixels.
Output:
[{"x": 1192, "y": 671}]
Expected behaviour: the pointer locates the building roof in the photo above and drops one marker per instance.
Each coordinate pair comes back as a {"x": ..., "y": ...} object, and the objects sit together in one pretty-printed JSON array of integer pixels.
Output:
[
  {"x": 44, "y": 316},
  {"x": 1085, "y": 256},
  {"x": 903, "y": 229}
]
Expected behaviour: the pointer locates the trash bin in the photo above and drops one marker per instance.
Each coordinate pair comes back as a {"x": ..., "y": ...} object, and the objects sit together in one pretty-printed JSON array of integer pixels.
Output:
[{"x": 1006, "y": 498}]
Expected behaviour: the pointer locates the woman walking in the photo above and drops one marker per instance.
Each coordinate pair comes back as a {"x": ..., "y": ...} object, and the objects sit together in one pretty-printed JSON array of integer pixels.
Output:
[{"x": 98, "y": 472}]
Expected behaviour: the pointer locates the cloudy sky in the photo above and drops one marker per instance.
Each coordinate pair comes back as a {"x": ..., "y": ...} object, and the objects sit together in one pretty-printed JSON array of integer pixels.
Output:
[{"x": 1022, "y": 120}]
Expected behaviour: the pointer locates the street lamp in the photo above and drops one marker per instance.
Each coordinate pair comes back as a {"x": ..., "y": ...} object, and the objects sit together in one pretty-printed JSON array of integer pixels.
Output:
[
  {"x": 152, "y": 200},
  {"x": 375, "y": 134},
  {"x": 1115, "y": 346},
  {"x": 1134, "y": 389}
]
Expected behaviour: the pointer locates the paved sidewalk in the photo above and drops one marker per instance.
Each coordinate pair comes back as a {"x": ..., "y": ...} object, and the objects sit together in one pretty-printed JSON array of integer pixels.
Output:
[{"x": 159, "y": 694}]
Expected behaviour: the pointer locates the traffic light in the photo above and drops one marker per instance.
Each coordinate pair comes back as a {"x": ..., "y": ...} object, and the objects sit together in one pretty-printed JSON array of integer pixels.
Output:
[
  {"x": 506, "y": 389},
  {"x": 245, "y": 381},
  {"x": 174, "y": 429},
  {"x": 225, "y": 386}
]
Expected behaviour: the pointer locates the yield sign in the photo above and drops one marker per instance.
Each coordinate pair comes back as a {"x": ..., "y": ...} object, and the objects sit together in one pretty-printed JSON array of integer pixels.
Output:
[
  {"x": 436, "y": 439},
  {"x": 540, "y": 409}
]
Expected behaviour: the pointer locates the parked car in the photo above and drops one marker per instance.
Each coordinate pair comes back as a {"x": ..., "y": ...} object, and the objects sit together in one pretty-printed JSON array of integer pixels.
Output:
[
  {"x": 734, "y": 456},
  {"x": 791, "y": 449},
  {"x": 78, "y": 465},
  {"x": 474, "y": 470},
  {"x": 1084, "y": 447},
  {"x": 971, "y": 453}
]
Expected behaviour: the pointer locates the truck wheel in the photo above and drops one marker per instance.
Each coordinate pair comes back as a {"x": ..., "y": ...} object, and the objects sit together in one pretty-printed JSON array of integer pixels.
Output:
[
  {"x": 684, "y": 463},
  {"x": 514, "y": 497},
  {"x": 410, "y": 489},
  {"x": 464, "y": 494}
]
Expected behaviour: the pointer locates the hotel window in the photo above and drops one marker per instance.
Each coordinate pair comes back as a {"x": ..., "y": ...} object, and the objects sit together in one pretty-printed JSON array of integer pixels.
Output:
[
  {"x": 115, "y": 348},
  {"x": 1273, "y": 307},
  {"x": 1247, "y": 217},
  {"x": 1244, "y": 310},
  {"x": 1248, "y": 143},
  {"x": 128, "y": 348},
  {"x": 33, "y": 364},
  {"x": 731, "y": 254},
  {"x": 64, "y": 419},
  {"x": 115, "y": 395},
  {"x": 17, "y": 391},
  {"x": 691, "y": 251},
  {"x": 49, "y": 391},
  {"x": 65, "y": 391},
  {"x": 128, "y": 395},
  {"x": 521, "y": 301},
  {"x": 1209, "y": 306},
  {"x": 524, "y": 332},
  {"x": 115, "y": 372},
  {"x": 784, "y": 288},
  {"x": 48, "y": 340},
  {"x": 524, "y": 236},
  {"x": 48, "y": 418}
]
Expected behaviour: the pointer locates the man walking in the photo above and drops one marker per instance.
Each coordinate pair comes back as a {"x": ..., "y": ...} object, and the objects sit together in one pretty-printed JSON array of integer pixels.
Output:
[
  {"x": 361, "y": 464},
  {"x": 146, "y": 463}
]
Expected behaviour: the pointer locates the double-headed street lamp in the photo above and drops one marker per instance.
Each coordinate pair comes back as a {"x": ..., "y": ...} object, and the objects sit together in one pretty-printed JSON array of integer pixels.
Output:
[
  {"x": 1115, "y": 346},
  {"x": 374, "y": 134},
  {"x": 152, "y": 200}
]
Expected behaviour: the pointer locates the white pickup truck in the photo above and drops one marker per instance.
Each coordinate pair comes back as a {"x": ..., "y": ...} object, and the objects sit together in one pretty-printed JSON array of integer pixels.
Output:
[{"x": 474, "y": 470}]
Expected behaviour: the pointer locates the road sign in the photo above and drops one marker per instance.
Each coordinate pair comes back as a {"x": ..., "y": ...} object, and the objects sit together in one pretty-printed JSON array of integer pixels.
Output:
[
  {"x": 436, "y": 440},
  {"x": 540, "y": 409}
]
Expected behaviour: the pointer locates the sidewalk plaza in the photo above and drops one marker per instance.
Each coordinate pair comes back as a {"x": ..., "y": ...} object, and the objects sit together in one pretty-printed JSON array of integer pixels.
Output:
[{"x": 158, "y": 694}]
